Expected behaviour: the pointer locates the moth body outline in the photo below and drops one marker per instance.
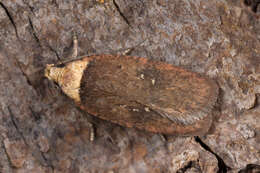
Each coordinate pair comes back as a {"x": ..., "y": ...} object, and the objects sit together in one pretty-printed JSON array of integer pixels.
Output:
[{"x": 157, "y": 97}]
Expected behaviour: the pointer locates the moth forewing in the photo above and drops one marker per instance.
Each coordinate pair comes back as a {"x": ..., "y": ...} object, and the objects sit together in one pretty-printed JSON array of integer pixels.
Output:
[{"x": 138, "y": 92}]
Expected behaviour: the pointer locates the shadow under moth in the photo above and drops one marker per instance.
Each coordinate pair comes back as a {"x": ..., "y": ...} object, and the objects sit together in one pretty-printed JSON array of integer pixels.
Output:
[{"x": 139, "y": 92}]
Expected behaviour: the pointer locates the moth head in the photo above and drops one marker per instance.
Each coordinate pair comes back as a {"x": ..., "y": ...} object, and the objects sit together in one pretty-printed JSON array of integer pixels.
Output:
[
  {"x": 48, "y": 72},
  {"x": 54, "y": 72},
  {"x": 67, "y": 76}
]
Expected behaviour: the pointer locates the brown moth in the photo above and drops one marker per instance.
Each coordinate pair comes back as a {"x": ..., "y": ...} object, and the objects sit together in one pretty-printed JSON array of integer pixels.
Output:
[{"x": 138, "y": 92}]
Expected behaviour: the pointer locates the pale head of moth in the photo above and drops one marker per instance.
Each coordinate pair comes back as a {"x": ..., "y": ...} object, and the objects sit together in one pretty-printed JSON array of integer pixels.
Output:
[{"x": 68, "y": 77}]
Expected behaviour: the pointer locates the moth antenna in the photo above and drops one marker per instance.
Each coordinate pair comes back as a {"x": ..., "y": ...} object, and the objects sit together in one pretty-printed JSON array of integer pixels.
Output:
[{"x": 127, "y": 51}]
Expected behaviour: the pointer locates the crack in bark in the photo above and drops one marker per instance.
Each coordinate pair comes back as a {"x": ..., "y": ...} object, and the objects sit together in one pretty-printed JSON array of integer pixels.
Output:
[
  {"x": 223, "y": 168},
  {"x": 17, "y": 36},
  {"x": 40, "y": 157},
  {"x": 250, "y": 168},
  {"x": 35, "y": 116},
  {"x": 33, "y": 32},
  {"x": 24, "y": 139},
  {"x": 10, "y": 18},
  {"x": 7, "y": 155},
  {"x": 47, "y": 161},
  {"x": 189, "y": 165},
  {"x": 55, "y": 3},
  {"x": 15, "y": 125},
  {"x": 25, "y": 75},
  {"x": 28, "y": 5},
  {"x": 56, "y": 53},
  {"x": 254, "y": 5},
  {"x": 121, "y": 13}
]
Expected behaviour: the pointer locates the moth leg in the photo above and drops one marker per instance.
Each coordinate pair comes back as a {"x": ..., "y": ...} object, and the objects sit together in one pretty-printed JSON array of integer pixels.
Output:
[
  {"x": 75, "y": 45},
  {"x": 74, "y": 54},
  {"x": 92, "y": 132},
  {"x": 163, "y": 137},
  {"x": 126, "y": 52}
]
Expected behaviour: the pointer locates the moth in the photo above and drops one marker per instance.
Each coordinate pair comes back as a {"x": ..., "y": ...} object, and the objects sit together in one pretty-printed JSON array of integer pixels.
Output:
[{"x": 140, "y": 93}]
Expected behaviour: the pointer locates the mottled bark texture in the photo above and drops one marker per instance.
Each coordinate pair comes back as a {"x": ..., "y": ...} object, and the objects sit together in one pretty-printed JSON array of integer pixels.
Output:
[{"x": 41, "y": 130}]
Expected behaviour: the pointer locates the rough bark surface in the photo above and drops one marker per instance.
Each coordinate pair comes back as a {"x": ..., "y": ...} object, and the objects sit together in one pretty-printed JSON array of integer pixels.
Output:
[{"x": 41, "y": 130}]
